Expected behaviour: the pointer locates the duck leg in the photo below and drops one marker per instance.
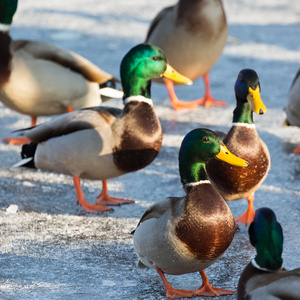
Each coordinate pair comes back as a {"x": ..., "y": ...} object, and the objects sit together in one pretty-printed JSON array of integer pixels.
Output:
[
  {"x": 175, "y": 102},
  {"x": 92, "y": 208},
  {"x": 171, "y": 292},
  {"x": 247, "y": 217},
  {"x": 20, "y": 140},
  {"x": 70, "y": 108},
  {"x": 105, "y": 199},
  {"x": 207, "y": 100},
  {"x": 207, "y": 290},
  {"x": 297, "y": 150}
]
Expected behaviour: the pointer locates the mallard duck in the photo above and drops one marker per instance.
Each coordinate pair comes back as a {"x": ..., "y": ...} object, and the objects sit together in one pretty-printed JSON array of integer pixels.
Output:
[
  {"x": 40, "y": 79},
  {"x": 243, "y": 140},
  {"x": 264, "y": 277},
  {"x": 293, "y": 106},
  {"x": 179, "y": 235},
  {"x": 99, "y": 143},
  {"x": 193, "y": 34}
]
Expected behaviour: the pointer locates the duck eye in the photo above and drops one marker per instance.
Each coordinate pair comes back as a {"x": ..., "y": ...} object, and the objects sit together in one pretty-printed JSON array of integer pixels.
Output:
[
  {"x": 155, "y": 58},
  {"x": 205, "y": 139}
]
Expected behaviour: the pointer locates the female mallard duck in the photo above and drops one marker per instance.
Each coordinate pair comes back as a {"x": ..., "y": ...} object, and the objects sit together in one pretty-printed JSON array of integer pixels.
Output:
[
  {"x": 193, "y": 34},
  {"x": 264, "y": 277},
  {"x": 179, "y": 235},
  {"x": 293, "y": 107},
  {"x": 99, "y": 143},
  {"x": 244, "y": 141},
  {"x": 39, "y": 79}
]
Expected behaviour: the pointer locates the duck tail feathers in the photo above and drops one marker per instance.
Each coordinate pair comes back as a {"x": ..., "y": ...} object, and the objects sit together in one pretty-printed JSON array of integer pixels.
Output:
[
  {"x": 26, "y": 162},
  {"x": 27, "y": 154}
]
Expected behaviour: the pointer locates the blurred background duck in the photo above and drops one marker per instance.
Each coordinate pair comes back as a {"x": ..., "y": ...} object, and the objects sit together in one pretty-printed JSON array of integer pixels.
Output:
[
  {"x": 193, "y": 34},
  {"x": 293, "y": 106},
  {"x": 264, "y": 277},
  {"x": 39, "y": 79},
  {"x": 243, "y": 140},
  {"x": 99, "y": 143},
  {"x": 180, "y": 235}
]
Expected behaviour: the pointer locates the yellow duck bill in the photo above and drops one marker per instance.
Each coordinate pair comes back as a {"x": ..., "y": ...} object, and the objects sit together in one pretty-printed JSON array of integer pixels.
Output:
[
  {"x": 171, "y": 73},
  {"x": 255, "y": 101},
  {"x": 227, "y": 156}
]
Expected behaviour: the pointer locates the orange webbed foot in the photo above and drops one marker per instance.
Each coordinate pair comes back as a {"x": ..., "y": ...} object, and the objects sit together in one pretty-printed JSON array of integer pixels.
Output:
[
  {"x": 105, "y": 199},
  {"x": 207, "y": 289},
  {"x": 178, "y": 294},
  {"x": 94, "y": 208},
  {"x": 170, "y": 291},
  {"x": 108, "y": 200},
  {"x": 209, "y": 101}
]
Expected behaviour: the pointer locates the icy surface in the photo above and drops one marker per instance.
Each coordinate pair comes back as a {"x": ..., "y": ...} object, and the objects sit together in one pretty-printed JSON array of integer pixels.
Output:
[{"x": 50, "y": 248}]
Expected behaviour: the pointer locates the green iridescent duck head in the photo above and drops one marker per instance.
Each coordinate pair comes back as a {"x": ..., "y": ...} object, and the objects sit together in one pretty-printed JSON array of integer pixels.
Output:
[
  {"x": 199, "y": 146},
  {"x": 143, "y": 63},
  {"x": 266, "y": 236},
  {"x": 7, "y": 11}
]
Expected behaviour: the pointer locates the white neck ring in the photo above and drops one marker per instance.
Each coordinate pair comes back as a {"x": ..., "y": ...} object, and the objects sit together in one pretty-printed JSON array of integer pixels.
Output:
[
  {"x": 197, "y": 183},
  {"x": 255, "y": 265},
  {"x": 139, "y": 99},
  {"x": 244, "y": 125},
  {"x": 4, "y": 27}
]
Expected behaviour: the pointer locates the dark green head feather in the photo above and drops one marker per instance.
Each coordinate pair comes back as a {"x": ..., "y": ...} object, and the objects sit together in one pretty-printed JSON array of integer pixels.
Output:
[
  {"x": 141, "y": 64},
  {"x": 266, "y": 236},
  {"x": 7, "y": 11},
  {"x": 198, "y": 146}
]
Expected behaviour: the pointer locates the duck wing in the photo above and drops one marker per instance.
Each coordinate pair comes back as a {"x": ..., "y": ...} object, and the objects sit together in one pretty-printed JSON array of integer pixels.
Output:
[{"x": 88, "y": 118}]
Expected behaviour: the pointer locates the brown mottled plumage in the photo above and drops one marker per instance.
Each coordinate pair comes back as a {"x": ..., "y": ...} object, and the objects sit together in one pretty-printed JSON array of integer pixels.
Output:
[
  {"x": 243, "y": 140},
  {"x": 179, "y": 235},
  {"x": 100, "y": 136},
  {"x": 236, "y": 183},
  {"x": 99, "y": 143}
]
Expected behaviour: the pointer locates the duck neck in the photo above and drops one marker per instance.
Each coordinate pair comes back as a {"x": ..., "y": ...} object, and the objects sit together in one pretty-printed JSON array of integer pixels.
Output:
[
  {"x": 135, "y": 86},
  {"x": 243, "y": 113},
  {"x": 7, "y": 11},
  {"x": 191, "y": 171},
  {"x": 267, "y": 238},
  {"x": 268, "y": 260}
]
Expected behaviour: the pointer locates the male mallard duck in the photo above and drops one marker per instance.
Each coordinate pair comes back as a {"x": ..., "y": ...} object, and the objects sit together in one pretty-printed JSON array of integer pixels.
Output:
[
  {"x": 39, "y": 79},
  {"x": 264, "y": 277},
  {"x": 293, "y": 107},
  {"x": 99, "y": 143},
  {"x": 244, "y": 141},
  {"x": 193, "y": 34},
  {"x": 179, "y": 235}
]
